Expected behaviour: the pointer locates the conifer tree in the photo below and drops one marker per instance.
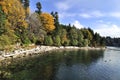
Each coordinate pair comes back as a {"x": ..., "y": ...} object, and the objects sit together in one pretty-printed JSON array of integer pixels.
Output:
[
  {"x": 26, "y": 6},
  {"x": 2, "y": 21},
  {"x": 39, "y": 7}
]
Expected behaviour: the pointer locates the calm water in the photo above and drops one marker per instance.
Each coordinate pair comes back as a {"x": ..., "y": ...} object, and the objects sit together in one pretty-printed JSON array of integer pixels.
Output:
[{"x": 66, "y": 65}]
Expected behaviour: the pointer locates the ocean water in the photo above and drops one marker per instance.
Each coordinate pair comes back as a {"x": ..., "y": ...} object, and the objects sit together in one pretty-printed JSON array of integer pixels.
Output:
[{"x": 66, "y": 65}]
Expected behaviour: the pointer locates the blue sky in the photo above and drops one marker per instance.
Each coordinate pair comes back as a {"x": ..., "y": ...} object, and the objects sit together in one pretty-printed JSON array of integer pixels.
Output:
[{"x": 103, "y": 16}]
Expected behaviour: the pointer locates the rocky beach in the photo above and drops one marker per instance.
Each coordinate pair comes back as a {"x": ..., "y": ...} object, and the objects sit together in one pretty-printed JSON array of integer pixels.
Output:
[{"x": 41, "y": 50}]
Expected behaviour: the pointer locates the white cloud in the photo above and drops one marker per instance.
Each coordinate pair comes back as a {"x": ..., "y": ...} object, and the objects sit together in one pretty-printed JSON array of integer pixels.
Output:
[
  {"x": 77, "y": 24},
  {"x": 115, "y": 14},
  {"x": 62, "y": 6},
  {"x": 92, "y": 9},
  {"x": 65, "y": 14},
  {"x": 105, "y": 29},
  {"x": 85, "y": 15},
  {"x": 97, "y": 14},
  {"x": 100, "y": 21},
  {"x": 92, "y": 14},
  {"x": 66, "y": 4}
]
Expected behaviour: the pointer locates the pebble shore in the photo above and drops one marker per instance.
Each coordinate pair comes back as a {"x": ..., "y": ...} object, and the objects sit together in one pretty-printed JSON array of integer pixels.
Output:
[{"x": 40, "y": 50}]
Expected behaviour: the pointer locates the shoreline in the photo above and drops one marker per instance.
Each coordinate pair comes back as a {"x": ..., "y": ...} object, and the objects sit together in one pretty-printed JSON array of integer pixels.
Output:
[{"x": 40, "y": 50}]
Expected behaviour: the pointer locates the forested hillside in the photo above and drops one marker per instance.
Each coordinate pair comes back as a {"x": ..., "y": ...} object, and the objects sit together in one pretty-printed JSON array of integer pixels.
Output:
[{"x": 18, "y": 26}]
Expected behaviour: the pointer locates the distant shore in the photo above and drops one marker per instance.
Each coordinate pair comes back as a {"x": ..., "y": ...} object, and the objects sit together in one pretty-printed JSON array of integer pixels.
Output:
[{"x": 40, "y": 50}]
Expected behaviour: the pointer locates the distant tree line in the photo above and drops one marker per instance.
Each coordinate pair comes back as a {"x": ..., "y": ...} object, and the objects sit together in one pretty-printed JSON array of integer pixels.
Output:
[
  {"x": 112, "y": 41},
  {"x": 17, "y": 25}
]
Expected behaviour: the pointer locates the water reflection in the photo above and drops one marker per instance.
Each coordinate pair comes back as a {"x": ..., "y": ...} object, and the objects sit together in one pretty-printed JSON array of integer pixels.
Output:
[{"x": 65, "y": 65}]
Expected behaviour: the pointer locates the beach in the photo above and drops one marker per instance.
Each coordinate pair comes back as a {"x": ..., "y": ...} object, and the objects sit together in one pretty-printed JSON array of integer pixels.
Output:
[{"x": 41, "y": 50}]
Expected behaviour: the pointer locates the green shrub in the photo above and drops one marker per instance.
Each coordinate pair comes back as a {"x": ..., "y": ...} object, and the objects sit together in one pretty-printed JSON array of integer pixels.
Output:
[
  {"x": 48, "y": 41},
  {"x": 66, "y": 43},
  {"x": 5, "y": 41},
  {"x": 26, "y": 41},
  {"x": 85, "y": 42},
  {"x": 74, "y": 42},
  {"x": 57, "y": 41}
]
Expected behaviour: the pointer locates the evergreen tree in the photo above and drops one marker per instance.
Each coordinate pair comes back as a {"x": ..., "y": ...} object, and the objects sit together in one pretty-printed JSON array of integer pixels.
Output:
[
  {"x": 80, "y": 38},
  {"x": 57, "y": 41},
  {"x": 73, "y": 36},
  {"x": 39, "y": 7},
  {"x": 21, "y": 1},
  {"x": 26, "y": 6},
  {"x": 92, "y": 34},
  {"x": 87, "y": 35},
  {"x": 97, "y": 39},
  {"x": 63, "y": 36},
  {"x": 26, "y": 3},
  {"x": 85, "y": 42},
  {"x": 58, "y": 28},
  {"x": 74, "y": 42},
  {"x": 2, "y": 21},
  {"x": 102, "y": 41}
]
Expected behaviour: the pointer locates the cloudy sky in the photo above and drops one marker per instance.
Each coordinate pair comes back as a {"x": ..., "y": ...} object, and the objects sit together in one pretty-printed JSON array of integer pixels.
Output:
[{"x": 103, "y": 16}]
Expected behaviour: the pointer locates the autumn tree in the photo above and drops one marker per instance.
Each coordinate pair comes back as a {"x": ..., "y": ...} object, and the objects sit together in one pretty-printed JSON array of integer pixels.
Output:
[
  {"x": 47, "y": 21},
  {"x": 25, "y": 4},
  {"x": 15, "y": 18},
  {"x": 36, "y": 30},
  {"x": 7, "y": 36},
  {"x": 15, "y": 13}
]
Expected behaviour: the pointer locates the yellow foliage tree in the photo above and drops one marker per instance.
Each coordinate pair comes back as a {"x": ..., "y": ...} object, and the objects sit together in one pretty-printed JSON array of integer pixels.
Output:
[
  {"x": 15, "y": 20},
  {"x": 47, "y": 21},
  {"x": 15, "y": 12}
]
